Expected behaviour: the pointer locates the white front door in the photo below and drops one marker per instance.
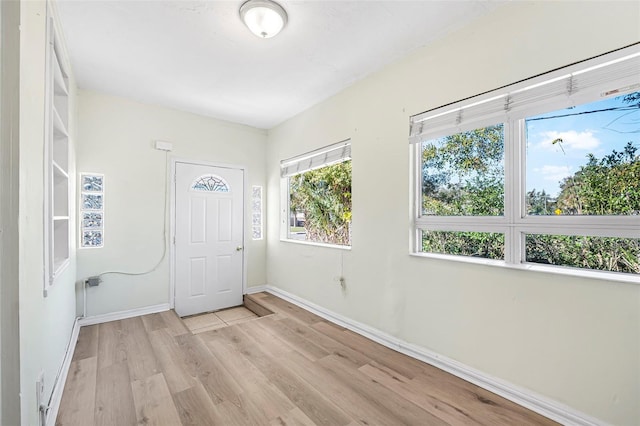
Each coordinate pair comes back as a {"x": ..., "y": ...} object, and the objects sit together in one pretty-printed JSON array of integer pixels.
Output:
[{"x": 209, "y": 238}]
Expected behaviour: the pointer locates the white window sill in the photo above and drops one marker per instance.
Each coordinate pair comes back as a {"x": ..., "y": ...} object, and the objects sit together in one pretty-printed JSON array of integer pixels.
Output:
[
  {"x": 311, "y": 243},
  {"x": 557, "y": 270}
]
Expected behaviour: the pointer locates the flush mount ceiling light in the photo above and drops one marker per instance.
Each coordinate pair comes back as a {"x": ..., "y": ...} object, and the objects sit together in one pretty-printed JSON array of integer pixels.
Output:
[{"x": 264, "y": 18}]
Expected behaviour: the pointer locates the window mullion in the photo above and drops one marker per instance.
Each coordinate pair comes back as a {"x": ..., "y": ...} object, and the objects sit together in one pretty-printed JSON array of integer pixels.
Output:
[
  {"x": 284, "y": 208},
  {"x": 585, "y": 221},
  {"x": 417, "y": 175},
  {"x": 513, "y": 189},
  {"x": 457, "y": 221},
  {"x": 416, "y": 195},
  {"x": 576, "y": 229},
  {"x": 509, "y": 186}
]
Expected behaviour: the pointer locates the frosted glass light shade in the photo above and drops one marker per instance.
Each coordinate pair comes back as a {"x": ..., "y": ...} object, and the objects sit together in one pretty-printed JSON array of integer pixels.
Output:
[{"x": 264, "y": 18}]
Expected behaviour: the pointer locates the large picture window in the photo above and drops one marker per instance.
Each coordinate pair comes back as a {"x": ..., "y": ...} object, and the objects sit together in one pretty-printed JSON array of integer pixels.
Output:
[
  {"x": 317, "y": 196},
  {"x": 463, "y": 173},
  {"x": 545, "y": 172}
]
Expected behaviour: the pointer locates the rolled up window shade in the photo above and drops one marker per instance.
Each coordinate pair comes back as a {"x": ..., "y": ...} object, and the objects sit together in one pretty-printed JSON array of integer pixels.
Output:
[
  {"x": 617, "y": 75},
  {"x": 322, "y": 157}
]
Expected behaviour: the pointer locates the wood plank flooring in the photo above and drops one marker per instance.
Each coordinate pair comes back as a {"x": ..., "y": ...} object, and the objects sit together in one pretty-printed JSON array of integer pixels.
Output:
[{"x": 289, "y": 368}]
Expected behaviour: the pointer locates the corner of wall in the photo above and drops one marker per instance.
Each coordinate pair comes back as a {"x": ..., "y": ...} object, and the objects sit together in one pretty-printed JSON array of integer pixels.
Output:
[
  {"x": 9, "y": 157},
  {"x": 45, "y": 323}
]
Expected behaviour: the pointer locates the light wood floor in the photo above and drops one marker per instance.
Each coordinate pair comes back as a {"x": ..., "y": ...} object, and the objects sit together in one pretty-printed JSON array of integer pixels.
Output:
[{"x": 290, "y": 368}]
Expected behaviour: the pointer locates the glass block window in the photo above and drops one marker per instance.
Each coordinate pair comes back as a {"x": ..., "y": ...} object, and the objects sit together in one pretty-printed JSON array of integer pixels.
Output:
[
  {"x": 92, "y": 220},
  {"x": 91, "y": 210},
  {"x": 256, "y": 212},
  {"x": 92, "y": 202},
  {"x": 92, "y": 183},
  {"x": 92, "y": 238},
  {"x": 210, "y": 183}
]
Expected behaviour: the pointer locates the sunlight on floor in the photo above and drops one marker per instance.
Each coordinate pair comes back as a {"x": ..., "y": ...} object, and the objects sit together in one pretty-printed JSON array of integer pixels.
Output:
[{"x": 214, "y": 320}]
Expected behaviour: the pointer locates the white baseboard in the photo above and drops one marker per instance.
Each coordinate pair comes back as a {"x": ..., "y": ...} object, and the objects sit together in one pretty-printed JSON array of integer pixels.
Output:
[
  {"x": 256, "y": 289},
  {"x": 58, "y": 387},
  {"x": 114, "y": 316},
  {"x": 542, "y": 405}
]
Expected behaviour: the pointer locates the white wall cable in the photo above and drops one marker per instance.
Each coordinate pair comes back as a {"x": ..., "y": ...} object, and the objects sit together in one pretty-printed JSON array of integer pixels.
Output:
[{"x": 164, "y": 233}]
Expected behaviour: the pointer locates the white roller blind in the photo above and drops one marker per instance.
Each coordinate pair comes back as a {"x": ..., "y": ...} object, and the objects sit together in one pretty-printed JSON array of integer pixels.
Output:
[
  {"x": 326, "y": 156},
  {"x": 609, "y": 75}
]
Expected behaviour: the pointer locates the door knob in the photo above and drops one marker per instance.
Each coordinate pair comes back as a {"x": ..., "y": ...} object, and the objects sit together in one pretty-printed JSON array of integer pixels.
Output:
[{"x": 239, "y": 248}]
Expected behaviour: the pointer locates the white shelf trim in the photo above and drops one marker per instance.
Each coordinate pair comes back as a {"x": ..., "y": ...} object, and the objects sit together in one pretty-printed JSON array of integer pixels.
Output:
[
  {"x": 59, "y": 78},
  {"x": 59, "y": 170},
  {"x": 58, "y": 124}
]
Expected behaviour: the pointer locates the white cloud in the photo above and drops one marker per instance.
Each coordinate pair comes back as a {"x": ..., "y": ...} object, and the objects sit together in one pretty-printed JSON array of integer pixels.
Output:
[
  {"x": 554, "y": 173},
  {"x": 571, "y": 140}
]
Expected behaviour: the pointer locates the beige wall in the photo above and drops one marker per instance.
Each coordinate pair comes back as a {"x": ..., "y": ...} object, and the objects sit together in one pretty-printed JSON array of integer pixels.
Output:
[
  {"x": 117, "y": 140},
  {"x": 45, "y": 323},
  {"x": 574, "y": 340}
]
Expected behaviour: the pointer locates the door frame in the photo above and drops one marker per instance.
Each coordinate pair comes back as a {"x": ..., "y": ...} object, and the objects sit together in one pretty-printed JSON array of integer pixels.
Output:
[{"x": 172, "y": 219}]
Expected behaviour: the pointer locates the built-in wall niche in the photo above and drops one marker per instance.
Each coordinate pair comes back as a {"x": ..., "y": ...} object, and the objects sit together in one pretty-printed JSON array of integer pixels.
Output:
[
  {"x": 91, "y": 210},
  {"x": 57, "y": 179}
]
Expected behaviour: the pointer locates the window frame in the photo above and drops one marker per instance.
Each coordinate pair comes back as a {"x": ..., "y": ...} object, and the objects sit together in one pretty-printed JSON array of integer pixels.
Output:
[
  {"x": 285, "y": 205},
  {"x": 515, "y": 223}
]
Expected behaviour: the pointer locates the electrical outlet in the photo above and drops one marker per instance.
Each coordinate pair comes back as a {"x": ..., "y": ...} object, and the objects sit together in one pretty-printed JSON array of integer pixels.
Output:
[
  {"x": 40, "y": 398},
  {"x": 93, "y": 281}
]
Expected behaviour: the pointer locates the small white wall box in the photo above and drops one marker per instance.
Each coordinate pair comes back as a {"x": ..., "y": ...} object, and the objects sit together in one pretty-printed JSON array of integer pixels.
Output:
[{"x": 164, "y": 146}]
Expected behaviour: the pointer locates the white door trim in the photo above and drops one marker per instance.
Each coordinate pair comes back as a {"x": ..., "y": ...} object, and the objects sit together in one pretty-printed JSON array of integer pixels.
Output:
[{"x": 172, "y": 220}]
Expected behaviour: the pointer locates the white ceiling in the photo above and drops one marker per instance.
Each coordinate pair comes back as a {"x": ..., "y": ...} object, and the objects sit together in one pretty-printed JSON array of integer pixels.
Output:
[{"x": 198, "y": 56}]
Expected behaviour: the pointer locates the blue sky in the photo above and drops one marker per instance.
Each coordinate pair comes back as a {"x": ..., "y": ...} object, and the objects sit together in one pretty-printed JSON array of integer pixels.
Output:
[{"x": 597, "y": 133}]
